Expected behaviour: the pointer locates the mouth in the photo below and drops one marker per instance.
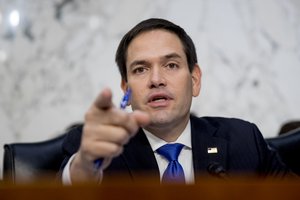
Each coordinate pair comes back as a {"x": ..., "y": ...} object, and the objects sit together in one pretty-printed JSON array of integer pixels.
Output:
[{"x": 159, "y": 99}]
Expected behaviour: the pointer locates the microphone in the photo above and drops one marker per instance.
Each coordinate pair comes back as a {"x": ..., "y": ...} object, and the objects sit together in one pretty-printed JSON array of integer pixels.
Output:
[{"x": 217, "y": 170}]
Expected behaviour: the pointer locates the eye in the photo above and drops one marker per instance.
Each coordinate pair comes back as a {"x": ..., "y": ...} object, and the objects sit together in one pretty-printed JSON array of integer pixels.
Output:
[
  {"x": 139, "y": 70},
  {"x": 172, "y": 66}
]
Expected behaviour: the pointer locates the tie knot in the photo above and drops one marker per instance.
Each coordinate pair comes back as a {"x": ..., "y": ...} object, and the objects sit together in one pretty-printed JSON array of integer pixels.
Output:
[{"x": 170, "y": 151}]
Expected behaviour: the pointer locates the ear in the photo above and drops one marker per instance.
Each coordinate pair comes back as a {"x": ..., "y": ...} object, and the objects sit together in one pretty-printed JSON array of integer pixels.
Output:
[
  {"x": 124, "y": 85},
  {"x": 196, "y": 80}
]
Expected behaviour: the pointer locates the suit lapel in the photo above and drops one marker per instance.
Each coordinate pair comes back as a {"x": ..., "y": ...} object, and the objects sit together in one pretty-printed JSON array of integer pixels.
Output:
[
  {"x": 139, "y": 156},
  {"x": 206, "y": 147}
]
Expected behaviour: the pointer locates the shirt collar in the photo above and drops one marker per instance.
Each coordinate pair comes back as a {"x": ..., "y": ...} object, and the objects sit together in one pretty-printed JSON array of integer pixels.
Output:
[{"x": 184, "y": 138}]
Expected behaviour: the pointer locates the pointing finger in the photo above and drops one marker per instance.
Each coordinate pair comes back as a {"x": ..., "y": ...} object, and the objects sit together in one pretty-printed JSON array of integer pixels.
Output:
[{"x": 104, "y": 99}]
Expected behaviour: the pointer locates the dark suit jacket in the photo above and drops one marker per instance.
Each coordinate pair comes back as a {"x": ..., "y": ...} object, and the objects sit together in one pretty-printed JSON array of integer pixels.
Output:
[{"x": 240, "y": 145}]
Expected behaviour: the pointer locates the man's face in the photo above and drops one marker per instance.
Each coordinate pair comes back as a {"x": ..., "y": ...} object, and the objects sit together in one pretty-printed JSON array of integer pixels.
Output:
[{"x": 158, "y": 74}]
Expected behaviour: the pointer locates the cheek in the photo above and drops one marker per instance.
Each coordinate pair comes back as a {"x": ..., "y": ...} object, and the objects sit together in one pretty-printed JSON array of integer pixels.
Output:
[
  {"x": 185, "y": 85},
  {"x": 187, "y": 94},
  {"x": 137, "y": 98},
  {"x": 136, "y": 88}
]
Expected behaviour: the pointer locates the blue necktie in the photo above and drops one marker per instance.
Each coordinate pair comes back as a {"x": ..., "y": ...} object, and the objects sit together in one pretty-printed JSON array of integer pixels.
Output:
[{"x": 174, "y": 171}]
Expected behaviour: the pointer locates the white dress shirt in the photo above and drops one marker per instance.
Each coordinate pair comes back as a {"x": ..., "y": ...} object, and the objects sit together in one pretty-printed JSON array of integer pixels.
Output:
[{"x": 184, "y": 158}]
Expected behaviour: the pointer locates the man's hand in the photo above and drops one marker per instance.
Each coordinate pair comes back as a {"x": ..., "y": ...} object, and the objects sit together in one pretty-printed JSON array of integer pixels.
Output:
[{"x": 106, "y": 130}]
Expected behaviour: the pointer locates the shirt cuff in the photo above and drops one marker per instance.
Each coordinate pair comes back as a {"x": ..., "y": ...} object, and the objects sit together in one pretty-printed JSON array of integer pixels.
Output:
[{"x": 66, "y": 175}]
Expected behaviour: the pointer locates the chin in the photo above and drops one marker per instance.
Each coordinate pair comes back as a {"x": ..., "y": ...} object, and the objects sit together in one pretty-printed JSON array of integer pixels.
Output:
[{"x": 161, "y": 118}]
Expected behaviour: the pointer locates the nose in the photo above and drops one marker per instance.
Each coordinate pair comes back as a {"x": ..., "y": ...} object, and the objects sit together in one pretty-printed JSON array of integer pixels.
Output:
[{"x": 157, "y": 78}]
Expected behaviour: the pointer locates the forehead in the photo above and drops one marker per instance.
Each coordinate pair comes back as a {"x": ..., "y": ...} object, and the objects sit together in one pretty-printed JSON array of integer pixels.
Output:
[{"x": 154, "y": 43}]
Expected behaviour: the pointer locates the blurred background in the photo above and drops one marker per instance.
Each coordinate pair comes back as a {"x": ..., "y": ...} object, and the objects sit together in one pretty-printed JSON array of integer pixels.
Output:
[{"x": 56, "y": 55}]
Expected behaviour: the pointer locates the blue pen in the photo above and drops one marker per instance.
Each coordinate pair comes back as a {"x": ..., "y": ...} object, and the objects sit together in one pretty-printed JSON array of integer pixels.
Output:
[
  {"x": 123, "y": 104},
  {"x": 125, "y": 99}
]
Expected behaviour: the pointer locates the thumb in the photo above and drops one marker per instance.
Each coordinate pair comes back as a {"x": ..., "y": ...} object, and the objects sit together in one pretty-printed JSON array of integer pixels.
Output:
[{"x": 142, "y": 118}]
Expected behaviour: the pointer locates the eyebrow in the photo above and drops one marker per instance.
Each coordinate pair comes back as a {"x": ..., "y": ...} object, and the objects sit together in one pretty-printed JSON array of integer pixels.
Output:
[
  {"x": 165, "y": 57},
  {"x": 172, "y": 55}
]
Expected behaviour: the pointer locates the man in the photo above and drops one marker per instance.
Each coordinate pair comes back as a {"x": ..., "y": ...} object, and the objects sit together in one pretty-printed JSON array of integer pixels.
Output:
[{"x": 158, "y": 63}]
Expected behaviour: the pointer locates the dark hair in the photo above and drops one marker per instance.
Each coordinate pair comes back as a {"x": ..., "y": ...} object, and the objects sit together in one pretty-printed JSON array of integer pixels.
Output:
[{"x": 152, "y": 24}]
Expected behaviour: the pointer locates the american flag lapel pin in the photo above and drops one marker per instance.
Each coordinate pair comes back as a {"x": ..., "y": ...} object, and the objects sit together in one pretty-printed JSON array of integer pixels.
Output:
[{"x": 212, "y": 150}]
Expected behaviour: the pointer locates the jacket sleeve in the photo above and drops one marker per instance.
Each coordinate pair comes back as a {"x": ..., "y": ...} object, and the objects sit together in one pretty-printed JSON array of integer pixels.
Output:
[
  {"x": 70, "y": 145},
  {"x": 271, "y": 164}
]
